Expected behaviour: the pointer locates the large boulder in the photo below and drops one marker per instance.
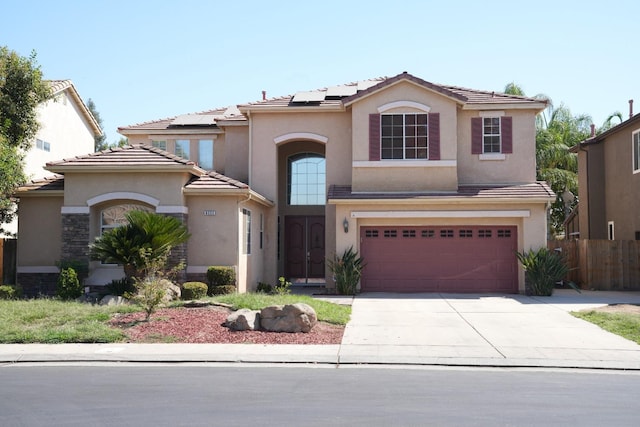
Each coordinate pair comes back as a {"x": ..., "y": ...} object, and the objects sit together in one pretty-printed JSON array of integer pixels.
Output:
[
  {"x": 113, "y": 300},
  {"x": 299, "y": 317},
  {"x": 172, "y": 291},
  {"x": 243, "y": 320}
]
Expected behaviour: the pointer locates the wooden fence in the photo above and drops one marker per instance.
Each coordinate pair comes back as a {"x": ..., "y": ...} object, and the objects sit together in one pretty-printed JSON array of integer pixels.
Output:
[
  {"x": 7, "y": 261},
  {"x": 605, "y": 265}
]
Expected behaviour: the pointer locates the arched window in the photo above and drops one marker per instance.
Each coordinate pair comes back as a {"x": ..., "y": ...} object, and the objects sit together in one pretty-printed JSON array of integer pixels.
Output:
[
  {"x": 306, "y": 183},
  {"x": 115, "y": 216}
]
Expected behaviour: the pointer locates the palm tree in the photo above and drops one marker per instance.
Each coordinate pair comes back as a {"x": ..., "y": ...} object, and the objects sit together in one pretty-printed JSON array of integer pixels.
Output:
[{"x": 146, "y": 237}]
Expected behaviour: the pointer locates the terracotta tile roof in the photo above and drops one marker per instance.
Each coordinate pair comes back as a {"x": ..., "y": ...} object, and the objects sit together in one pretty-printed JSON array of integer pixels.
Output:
[
  {"x": 215, "y": 181},
  {"x": 535, "y": 190},
  {"x": 51, "y": 183},
  {"x": 131, "y": 155},
  {"x": 222, "y": 114}
]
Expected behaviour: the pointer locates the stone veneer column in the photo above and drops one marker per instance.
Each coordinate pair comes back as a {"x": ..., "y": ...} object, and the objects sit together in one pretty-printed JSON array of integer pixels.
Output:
[
  {"x": 179, "y": 253},
  {"x": 75, "y": 238}
]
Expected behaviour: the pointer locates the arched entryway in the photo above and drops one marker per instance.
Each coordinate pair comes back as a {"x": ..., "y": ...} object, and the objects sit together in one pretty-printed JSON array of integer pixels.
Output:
[{"x": 301, "y": 212}]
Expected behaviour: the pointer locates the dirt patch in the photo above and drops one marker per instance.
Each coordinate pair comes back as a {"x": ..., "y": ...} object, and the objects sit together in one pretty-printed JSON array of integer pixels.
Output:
[
  {"x": 617, "y": 308},
  {"x": 204, "y": 325}
]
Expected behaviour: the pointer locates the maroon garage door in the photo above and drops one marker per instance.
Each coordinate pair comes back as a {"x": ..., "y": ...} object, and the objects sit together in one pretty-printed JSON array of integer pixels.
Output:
[{"x": 440, "y": 259}]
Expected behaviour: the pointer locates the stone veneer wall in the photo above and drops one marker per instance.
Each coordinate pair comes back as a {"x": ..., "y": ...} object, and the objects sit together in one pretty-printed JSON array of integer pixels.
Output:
[
  {"x": 179, "y": 253},
  {"x": 75, "y": 238},
  {"x": 38, "y": 284}
]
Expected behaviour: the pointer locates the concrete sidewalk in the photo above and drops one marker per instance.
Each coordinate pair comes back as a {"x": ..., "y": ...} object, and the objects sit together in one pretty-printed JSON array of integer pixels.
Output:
[{"x": 415, "y": 329}]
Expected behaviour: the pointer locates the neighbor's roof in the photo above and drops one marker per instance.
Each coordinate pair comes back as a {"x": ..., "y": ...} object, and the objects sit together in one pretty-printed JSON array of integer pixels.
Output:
[
  {"x": 599, "y": 138},
  {"x": 338, "y": 97},
  {"x": 131, "y": 157},
  {"x": 58, "y": 86},
  {"x": 537, "y": 190},
  {"x": 53, "y": 183}
]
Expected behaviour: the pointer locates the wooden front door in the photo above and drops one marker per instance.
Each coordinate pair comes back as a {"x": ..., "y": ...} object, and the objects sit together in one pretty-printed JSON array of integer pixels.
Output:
[{"x": 304, "y": 247}]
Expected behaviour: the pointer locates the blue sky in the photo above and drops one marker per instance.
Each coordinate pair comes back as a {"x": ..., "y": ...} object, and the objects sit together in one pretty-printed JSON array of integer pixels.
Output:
[{"x": 147, "y": 60}]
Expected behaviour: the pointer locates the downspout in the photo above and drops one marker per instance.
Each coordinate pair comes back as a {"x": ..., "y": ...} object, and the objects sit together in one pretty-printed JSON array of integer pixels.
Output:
[
  {"x": 586, "y": 153},
  {"x": 249, "y": 174}
]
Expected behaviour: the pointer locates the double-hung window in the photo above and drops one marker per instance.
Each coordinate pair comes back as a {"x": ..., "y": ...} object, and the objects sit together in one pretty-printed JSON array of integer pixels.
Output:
[
  {"x": 182, "y": 148},
  {"x": 159, "y": 144},
  {"x": 404, "y": 136},
  {"x": 635, "y": 139},
  {"x": 246, "y": 232},
  {"x": 491, "y": 135},
  {"x": 205, "y": 154}
]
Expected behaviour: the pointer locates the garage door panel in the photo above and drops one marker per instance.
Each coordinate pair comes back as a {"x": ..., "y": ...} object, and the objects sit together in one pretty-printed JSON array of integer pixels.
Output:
[{"x": 439, "y": 259}]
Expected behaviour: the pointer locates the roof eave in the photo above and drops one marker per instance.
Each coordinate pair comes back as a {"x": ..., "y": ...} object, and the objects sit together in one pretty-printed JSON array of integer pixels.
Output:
[
  {"x": 443, "y": 200},
  {"x": 289, "y": 108},
  {"x": 538, "y": 106},
  {"x": 125, "y": 168},
  {"x": 172, "y": 131},
  {"x": 252, "y": 195}
]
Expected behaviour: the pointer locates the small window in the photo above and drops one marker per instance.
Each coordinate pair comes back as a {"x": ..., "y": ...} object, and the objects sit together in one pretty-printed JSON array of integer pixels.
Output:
[
  {"x": 611, "y": 230},
  {"x": 491, "y": 135},
  {"x": 428, "y": 233},
  {"x": 261, "y": 229},
  {"x": 637, "y": 235},
  {"x": 159, "y": 144},
  {"x": 484, "y": 234},
  {"x": 408, "y": 233},
  {"x": 43, "y": 145},
  {"x": 446, "y": 234},
  {"x": 465, "y": 233},
  {"x": 635, "y": 139},
  {"x": 504, "y": 233},
  {"x": 182, "y": 148},
  {"x": 371, "y": 233},
  {"x": 205, "y": 154},
  {"x": 246, "y": 235},
  {"x": 390, "y": 233}
]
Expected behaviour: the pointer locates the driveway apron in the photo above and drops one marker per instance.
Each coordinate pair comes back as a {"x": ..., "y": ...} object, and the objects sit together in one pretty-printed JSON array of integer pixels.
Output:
[{"x": 485, "y": 330}]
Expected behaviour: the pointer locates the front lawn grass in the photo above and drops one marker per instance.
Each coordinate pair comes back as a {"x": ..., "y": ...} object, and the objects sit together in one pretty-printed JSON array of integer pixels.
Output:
[
  {"x": 627, "y": 325},
  {"x": 52, "y": 321},
  {"x": 327, "y": 312}
]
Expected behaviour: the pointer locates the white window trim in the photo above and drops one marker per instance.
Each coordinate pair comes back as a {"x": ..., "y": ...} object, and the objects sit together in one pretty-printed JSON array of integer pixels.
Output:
[
  {"x": 633, "y": 153},
  {"x": 404, "y": 104},
  {"x": 488, "y": 114},
  {"x": 404, "y": 137},
  {"x": 307, "y": 136},
  {"x": 493, "y": 156},
  {"x": 493, "y": 116},
  {"x": 399, "y": 163}
]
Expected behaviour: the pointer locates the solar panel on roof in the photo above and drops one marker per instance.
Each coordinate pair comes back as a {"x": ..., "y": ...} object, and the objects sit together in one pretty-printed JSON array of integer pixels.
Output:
[
  {"x": 195, "y": 119},
  {"x": 342, "y": 90},
  {"x": 366, "y": 84},
  {"x": 312, "y": 96}
]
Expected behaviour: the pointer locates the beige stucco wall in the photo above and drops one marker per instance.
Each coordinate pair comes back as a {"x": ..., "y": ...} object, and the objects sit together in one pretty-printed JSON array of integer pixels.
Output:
[
  {"x": 233, "y": 160},
  {"x": 65, "y": 128},
  {"x": 518, "y": 167},
  {"x": 531, "y": 229},
  {"x": 165, "y": 187},
  {"x": 39, "y": 234}
]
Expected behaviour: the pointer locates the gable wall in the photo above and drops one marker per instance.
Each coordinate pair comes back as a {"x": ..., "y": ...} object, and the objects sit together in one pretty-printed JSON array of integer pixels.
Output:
[
  {"x": 394, "y": 175},
  {"x": 65, "y": 128}
]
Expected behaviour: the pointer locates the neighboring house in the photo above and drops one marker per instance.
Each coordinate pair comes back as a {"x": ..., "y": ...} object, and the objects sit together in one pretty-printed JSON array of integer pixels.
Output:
[
  {"x": 433, "y": 185},
  {"x": 609, "y": 184},
  {"x": 67, "y": 128}
]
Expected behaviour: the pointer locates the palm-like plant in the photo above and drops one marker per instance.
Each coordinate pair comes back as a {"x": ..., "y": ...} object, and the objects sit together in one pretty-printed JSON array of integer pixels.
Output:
[
  {"x": 347, "y": 270},
  {"x": 146, "y": 233},
  {"x": 543, "y": 269}
]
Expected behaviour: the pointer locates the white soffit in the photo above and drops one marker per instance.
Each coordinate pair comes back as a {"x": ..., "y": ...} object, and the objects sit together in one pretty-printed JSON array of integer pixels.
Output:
[
  {"x": 195, "y": 119},
  {"x": 312, "y": 96},
  {"x": 442, "y": 214},
  {"x": 336, "y": 91}
]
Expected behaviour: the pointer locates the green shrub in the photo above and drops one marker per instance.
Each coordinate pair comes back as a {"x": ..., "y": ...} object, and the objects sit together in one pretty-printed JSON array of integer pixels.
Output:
[
  {"x": 218, "y": 276},
  {"x": 543, "y": 269},
  {"x": 69, "y": 287},
  {"x": 222, "y": 290},
  {"x": 264, "y": 288},
  {"x": 347, "y": 270},
  {"x": 121, "y": 287},
  {"x": 283, "y": 287},
  {"x": 10, "y": 291},
  {"x": 194, "y": 290}
]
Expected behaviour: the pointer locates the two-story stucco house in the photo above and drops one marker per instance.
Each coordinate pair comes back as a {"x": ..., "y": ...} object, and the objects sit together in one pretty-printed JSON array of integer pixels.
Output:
[
  {"x": 67, "y": 128},
  {"x": 433, "y": 185},
  {"x": 609, "y": 177}
]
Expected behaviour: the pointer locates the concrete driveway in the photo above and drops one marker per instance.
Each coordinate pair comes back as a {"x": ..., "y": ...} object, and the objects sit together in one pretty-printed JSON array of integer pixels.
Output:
[{"x": 485, "y": 330}]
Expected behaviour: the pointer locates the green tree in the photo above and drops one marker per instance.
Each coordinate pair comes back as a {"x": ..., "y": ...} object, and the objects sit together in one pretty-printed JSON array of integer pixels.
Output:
[
  {"x": 146, "y": 238},
  {"x": 99, "y": 140},
  {"x": 21, "y": 91}
]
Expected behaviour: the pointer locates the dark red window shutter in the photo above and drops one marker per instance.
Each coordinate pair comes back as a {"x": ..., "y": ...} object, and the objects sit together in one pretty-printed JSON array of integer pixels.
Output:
[
  {"x": 476, "y": 135},
  {"x": 506, "y": 129},
  {"x": 374, "y": 137},
  {"x": 434, "y": 136}
]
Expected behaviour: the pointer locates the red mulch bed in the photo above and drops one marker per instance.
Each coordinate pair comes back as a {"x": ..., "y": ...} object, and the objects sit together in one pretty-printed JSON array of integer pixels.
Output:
[{"x": 204, "y": 325}]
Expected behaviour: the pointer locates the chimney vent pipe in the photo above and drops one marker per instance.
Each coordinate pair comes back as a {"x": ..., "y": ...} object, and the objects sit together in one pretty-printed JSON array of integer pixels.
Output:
[
  {"x": 593, "y": 130},
  {"x": 630, "y": 108},
  {"x": 264, "y": 95}
]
